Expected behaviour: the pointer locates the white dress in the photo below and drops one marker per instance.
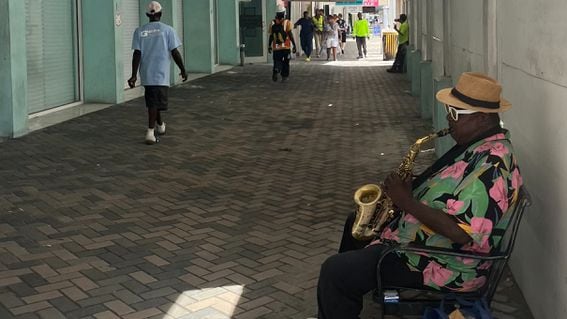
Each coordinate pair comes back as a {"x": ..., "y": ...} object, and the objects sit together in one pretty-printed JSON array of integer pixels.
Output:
[{"x": 333, "y": 38}]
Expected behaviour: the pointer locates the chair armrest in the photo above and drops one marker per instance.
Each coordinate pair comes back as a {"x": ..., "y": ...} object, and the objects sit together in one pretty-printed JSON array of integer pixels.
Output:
[{"x": 415, "y": 248}]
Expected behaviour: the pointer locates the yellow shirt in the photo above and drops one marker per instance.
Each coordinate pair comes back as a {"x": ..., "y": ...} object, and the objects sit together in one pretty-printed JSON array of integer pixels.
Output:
[
  {"x": 361, "y": 29},
  {"x": 403, "y": 35},
  {"x": 318, "y": 22}
]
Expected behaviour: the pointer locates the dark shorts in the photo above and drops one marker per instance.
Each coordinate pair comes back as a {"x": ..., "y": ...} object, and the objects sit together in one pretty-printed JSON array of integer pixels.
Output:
[
  {"x": 343, "y": 37},
  {"x": 156, "y": 97}
]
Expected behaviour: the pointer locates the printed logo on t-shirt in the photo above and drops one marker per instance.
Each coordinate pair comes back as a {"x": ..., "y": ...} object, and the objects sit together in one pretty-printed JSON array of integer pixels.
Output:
[{"x": 147, "y": 33}]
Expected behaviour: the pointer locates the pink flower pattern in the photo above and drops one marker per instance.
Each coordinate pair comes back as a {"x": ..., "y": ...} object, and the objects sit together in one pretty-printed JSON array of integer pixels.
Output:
[
  {"x": 455, "y": 171},
  {"x": 473, "y": 284},
  {"x": 388, "y": 234},
  {"x": 499, "y": 193},
  {"x": 516, "y": 179},
  {"x": 454, "y": 206},
  {"x": 449, "y": 272},
  {"x": 436, "y": 274},
  {"x": 496, "y": 149},
  {"x": 408, "y": 218}
]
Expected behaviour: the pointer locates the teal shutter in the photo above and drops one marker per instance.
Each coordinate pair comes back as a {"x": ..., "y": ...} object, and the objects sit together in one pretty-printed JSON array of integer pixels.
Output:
[
  {"x": 178, "y": 24},
  {"x": 51, "y": 45},
  {"x": 130, "y": 16}
]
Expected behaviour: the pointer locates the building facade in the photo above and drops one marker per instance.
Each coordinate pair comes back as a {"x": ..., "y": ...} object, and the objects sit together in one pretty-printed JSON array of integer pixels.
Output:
[
  {"x": 71, "y": 57},
  {"x": 523, "y": 47}
]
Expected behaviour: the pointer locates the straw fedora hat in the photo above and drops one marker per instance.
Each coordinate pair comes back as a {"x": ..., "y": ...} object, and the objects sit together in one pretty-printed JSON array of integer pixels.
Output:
[{"x": 475, "y": 92}]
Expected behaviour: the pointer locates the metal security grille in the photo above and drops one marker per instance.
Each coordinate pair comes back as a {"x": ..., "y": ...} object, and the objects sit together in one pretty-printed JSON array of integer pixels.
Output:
[
  {"x": 130, "y": 15},
  {"x": 52, "y": 46}
]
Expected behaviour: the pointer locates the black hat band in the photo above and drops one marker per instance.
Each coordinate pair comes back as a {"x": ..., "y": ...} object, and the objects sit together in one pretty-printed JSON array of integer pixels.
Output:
[{"x": 474, "y": 102}]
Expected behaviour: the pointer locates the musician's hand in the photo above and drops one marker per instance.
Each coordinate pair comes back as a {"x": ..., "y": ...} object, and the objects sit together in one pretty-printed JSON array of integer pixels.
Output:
[{"x": 398, "y": 190}]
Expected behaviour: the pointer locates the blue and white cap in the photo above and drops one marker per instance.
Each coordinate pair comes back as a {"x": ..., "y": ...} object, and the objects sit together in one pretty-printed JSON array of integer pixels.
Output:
[{"x": 154, "y": 7}]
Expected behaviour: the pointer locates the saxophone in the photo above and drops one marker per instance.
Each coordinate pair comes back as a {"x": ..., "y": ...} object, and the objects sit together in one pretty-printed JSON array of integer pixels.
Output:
[{"x": 374, "y": 207}]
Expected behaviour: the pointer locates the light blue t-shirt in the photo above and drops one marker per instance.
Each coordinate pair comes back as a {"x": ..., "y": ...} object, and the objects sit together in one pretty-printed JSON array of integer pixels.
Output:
[{"x": 155, "y": 40}]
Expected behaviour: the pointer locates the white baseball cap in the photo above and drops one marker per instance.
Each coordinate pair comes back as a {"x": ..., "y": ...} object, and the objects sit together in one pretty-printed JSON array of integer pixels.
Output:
[{"x": 154, "y": 7}]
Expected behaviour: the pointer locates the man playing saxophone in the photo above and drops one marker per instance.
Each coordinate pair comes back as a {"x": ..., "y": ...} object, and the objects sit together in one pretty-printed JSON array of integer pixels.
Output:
[{"x": 458, "y": 203}]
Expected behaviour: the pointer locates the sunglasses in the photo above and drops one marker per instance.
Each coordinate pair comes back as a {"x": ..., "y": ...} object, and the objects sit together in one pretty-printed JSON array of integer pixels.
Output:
[{"x": 454, "y": 112}]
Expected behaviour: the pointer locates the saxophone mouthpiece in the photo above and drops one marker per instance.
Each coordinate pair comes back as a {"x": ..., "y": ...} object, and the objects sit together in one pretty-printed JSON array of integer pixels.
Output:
[{"x": 444, "y": 132}]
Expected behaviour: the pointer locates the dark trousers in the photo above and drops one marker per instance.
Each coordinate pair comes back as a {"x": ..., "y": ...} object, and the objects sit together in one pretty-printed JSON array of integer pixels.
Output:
[
  {"x": 400, "y": 57},
  {"x": 361, "y": 45},
  {"x": 307, "y": 45},
  {"x": 347, "y": 276},
  {"x": 281, "y": 62}
]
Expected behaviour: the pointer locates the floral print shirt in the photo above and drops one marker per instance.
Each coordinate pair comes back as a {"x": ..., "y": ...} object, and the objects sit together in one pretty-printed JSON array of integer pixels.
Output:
[{"x": 478, "y": 189}]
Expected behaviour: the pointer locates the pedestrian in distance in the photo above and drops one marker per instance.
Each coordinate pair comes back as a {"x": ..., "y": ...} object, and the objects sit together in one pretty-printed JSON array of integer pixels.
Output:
[
  {"x": 318, "y": 21},
  {"x": 306, "y": 34},
  {"x": 153, "y": 44},
  {"x": 343, "y": 32},
  {"x": 403, "y": 42},
  {"x": 332, "y": 37},
  {"x": 361, "y": 31},
  {"x": 281, "y": 44}
]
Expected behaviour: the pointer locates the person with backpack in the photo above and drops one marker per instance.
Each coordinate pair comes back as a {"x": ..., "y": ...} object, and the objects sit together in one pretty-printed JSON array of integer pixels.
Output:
[
  {"x": 343, "y": 32},
  {"x": 281, "y": 43}
]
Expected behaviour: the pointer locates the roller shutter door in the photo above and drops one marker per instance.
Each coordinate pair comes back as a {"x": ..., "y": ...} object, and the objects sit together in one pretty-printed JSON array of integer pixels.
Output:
[{"x": 51, "y": 54}]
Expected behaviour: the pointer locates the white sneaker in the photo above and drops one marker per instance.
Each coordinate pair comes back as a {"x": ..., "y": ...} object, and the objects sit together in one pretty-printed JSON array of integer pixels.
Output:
[
  {"x": 150, "y": 137},
  {"x": 161, "y": 128}
]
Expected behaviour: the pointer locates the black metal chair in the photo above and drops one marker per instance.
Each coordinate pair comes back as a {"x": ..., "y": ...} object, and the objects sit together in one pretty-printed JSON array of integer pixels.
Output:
[{"x": 499, "y": 258}]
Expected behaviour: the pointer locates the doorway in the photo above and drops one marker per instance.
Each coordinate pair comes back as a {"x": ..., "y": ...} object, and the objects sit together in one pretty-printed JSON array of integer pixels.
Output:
[{"x": 253, "y": 30}]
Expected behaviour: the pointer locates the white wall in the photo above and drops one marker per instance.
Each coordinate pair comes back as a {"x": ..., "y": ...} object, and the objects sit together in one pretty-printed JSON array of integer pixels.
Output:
[
  {"x": 525, "y": 46},
  {"x": 467, "y": 38},
  {"x": 533, "y": 43}
]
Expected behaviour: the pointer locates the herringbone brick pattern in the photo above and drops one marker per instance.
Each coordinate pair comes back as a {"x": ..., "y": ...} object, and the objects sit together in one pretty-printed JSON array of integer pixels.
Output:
[{"x": 229, "y": 216}]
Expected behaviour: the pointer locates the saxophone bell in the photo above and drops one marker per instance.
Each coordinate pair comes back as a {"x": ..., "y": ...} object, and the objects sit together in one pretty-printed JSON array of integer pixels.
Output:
[{"x": 374, "y": 208}]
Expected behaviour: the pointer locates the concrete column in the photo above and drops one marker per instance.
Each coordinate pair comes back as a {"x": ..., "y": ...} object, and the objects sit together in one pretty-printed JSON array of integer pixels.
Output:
[
  {"x": 199, "y": 35},
  {"x": 491, "y": 62},
  {"x": 446, "y": 37},
  {"x": 426, "y": 89},
  {"x": 229, "y": 37},
  {"x": 271, "y": 7},
  {"x": 13, "y": 69},
  {"x": 415, "y": 67},
  {"x": 103, "y": 82},
  {"x": 442, "y": 145}
]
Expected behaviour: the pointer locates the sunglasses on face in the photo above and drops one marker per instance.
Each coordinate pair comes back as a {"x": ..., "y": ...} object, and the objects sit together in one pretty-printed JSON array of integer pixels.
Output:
[{"x": 454, "y": 112}]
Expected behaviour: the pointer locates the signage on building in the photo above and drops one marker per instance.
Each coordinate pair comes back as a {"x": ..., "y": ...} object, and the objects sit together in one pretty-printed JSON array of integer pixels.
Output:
[
  {"x": 366, "y": 3},
  {"x": 350, "y": 3},
  {"x": 368, "y": 9}
]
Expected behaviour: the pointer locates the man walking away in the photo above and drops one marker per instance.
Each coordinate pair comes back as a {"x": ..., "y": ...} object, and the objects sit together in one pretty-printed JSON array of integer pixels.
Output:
[
  {"x": 153, "y": 43},
  {"x": 343, "y": 32},
  {"x": 403, "y": 42},
  {"x": 318, "y": 21},
  {"x": 280, "y": 43},
  {"x": 361, "y": 31},
  {"x": 306, "y": 34}
]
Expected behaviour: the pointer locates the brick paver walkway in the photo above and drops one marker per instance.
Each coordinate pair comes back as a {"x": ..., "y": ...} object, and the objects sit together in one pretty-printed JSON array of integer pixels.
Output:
[{"x": 229, "y": 216}]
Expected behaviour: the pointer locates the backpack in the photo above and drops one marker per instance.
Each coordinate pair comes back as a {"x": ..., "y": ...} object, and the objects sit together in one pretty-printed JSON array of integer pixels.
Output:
[{"x": 278, "y": 32}]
